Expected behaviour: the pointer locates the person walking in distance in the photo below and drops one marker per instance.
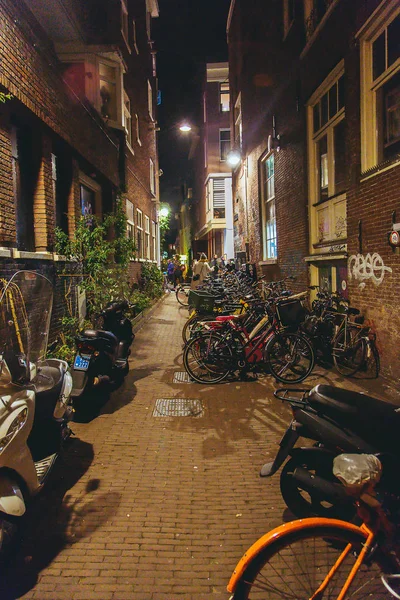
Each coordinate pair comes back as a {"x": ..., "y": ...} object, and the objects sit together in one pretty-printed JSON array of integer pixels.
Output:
[{"x": 201, "y": 269}]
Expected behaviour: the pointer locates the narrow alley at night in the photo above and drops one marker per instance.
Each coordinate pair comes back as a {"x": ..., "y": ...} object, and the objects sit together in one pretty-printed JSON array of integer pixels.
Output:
[{"x": 199, "y": 299}]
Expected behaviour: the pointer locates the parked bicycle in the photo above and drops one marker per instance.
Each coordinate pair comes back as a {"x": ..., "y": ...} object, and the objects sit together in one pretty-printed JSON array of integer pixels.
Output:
[
  {"x": 228, "y": 346},
  {"x": 320, "y": 558}
]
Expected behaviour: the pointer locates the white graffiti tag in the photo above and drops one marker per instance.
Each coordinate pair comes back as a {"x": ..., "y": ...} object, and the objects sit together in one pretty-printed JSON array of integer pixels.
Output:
[{"x": 367, "y": 267}]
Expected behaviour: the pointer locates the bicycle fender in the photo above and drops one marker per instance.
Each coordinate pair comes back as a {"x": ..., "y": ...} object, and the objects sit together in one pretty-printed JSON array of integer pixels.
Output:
[{"x": 269, "y": 538}]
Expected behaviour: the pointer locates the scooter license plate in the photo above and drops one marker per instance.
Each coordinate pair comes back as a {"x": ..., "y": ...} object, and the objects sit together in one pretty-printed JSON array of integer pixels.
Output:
[{"x": 81, "y": 363}]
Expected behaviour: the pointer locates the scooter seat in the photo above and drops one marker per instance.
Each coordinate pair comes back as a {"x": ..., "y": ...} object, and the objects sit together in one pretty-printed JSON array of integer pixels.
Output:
[
  {"x": 99, "y": 334},
  {"x": 376, "y": 420}
]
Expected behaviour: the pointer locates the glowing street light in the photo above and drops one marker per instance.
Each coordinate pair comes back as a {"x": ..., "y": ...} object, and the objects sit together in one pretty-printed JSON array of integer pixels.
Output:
[
  {"x": 164, "y": 212},
  {"x": 233, "y": 158},
  {"x": 185, "y": 127}
]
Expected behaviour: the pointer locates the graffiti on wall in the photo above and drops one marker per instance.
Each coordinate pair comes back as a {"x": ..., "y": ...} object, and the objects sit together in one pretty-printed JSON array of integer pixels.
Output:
[{"x": 367, "y": 268}]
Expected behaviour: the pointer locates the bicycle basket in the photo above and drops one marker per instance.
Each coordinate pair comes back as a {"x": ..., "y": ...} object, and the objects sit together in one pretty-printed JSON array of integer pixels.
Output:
[
  {"x": 201, "y": 301},
  {"x": 290, "y": 313}
]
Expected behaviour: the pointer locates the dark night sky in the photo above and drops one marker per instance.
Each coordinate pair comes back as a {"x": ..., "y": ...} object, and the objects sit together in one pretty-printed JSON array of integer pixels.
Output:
[{"x": 187, "y": 34}]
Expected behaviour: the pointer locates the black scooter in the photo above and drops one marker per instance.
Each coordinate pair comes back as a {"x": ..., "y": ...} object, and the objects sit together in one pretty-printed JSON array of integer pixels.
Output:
[
  {"x": 337, "y": 420},
  {"x": 102, "y": 354}
]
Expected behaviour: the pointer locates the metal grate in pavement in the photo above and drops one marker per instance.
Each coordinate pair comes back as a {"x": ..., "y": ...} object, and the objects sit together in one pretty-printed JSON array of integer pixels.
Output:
[
  {"x": 181, "y": 377},
  {"x": 178, "y": 407}
]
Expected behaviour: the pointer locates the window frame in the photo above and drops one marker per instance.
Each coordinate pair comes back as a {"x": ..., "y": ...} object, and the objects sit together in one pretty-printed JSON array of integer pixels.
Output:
[
  {"x": 221, "y": 142},
  {"x": 118, "y": 89},
  {"x": 150, "y": 100},
  {"x": 270, "y": 200},
  {"x": 238, "y": 122},
  {"x": 139, "y": 232},
  {"x": 130, "y": 219},
  {"x": 134, "y": 36},
  {"x": 154, "y": 239},
  {"x": 128, "y": 121},
  {"x": 152, "y": 177},
  {"x": 146, "y": 237},
  {"x": 224, "y": 93},
  {"x": 371, "y": 121},
  {"x": 95, "y": 187},
  {"x": 125, "y": 23},
  {"x": 287, "y": 21}
]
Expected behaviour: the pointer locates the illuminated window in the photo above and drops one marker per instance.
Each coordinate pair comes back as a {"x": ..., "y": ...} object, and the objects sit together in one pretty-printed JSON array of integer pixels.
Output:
[
  {"x": 152, "y": 177},
  {"x": 326, "y": 129},
  {"x": 380, "y": 106},
  {"x": 137, "y": 129},
  {"x": 127, "y": 119},
  {"x": 268, "y": 207},
  {"x": 147, "y": 237},
  {"x": 139, "y": 233},
  {"x": 224, "y": 97},
  {"x": 329, "y": 140},
  {"x": 108, "y": 91},
  {"x": 130, "y": 226},
  {"x": 150, "y": 99},
  {"x": 154, "y": 239}
]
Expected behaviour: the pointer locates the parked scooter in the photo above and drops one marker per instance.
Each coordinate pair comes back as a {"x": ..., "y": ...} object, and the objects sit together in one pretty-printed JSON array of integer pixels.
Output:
[
  {"x": 102, "y": 354},
  {"x": 338, "y": 420},
  {"x": 34, "y": 397}
]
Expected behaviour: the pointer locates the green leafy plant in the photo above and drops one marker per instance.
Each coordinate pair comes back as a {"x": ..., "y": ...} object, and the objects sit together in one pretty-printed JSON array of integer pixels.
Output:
[
  {"x": 4, "y": 97},
  {"x": 102, "y": 252}
]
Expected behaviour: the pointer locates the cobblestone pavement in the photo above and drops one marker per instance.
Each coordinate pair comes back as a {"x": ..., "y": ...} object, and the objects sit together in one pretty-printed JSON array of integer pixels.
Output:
[{"x": 147, "y": 507}]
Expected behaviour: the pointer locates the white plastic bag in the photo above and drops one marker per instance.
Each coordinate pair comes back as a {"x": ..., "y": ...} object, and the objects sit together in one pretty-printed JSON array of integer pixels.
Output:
[{"x": 357, "y": 470}]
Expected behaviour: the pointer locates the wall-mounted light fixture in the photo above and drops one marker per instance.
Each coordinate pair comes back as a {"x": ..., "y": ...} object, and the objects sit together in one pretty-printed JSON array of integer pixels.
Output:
[{"x": 233, "y": 158}]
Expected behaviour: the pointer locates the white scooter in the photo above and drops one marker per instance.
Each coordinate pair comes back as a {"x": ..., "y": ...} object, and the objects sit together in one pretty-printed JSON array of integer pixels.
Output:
[{"x": 34, "y": 397}]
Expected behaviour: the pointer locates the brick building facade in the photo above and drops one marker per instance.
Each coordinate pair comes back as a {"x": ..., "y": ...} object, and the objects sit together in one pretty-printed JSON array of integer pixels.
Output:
[
  {"x": 315, "y": 110},
  {"x": 80, "y": 128}
]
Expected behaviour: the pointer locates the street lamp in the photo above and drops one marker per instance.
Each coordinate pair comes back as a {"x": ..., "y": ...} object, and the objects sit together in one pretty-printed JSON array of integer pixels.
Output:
[
  {"x": 185, "y": 127},
  {"x": 164, "y": 211},
  {"x": 233, "y": 158}
]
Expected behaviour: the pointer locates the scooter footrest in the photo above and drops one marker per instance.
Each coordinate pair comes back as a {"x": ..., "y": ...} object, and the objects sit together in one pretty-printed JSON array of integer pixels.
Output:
[{"x": 43, "y": 467}]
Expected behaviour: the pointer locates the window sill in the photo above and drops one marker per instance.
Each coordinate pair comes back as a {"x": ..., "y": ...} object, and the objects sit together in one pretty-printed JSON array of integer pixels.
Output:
[
  {"x": 268, "y": 261},
  {"x": 378, "y": 169},
  {"x": 335, "y": 197}
]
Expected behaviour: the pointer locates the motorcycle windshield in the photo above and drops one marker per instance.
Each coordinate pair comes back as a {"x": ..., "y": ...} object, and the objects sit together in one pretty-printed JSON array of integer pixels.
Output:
[{"x": 26, "y": 302}]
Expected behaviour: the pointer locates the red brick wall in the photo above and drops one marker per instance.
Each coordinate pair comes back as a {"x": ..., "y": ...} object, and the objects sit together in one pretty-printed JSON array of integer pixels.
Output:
[{"x": 30, "y": 70}]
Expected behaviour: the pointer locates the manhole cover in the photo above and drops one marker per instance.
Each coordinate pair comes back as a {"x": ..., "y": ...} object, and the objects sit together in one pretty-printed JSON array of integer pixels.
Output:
[
  {"x": 181, "y": 377},
  {"x": 178, "y": 407}
]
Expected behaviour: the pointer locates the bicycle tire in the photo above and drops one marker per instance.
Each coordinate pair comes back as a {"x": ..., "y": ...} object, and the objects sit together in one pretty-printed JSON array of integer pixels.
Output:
[
  {"x": 207, "y": 358},
  {"x": 276, "y": 565},
  {"x": 348, "y": 354},
  {"x": 191, "y": 323},
  {"x": 182, "y": 295},
  {"x": 289, "y": 357}
]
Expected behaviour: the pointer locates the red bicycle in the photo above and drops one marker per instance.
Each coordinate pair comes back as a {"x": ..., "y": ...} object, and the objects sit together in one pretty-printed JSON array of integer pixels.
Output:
[{"x": 225, "y": 345}]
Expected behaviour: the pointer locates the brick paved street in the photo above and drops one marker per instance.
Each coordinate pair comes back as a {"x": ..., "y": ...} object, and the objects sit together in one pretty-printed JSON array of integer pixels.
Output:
[{"x": 147, "y": 507}]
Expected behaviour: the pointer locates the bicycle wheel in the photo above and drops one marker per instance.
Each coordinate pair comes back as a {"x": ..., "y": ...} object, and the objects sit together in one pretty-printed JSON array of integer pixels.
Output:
[
  {"x": 182, "y": 295},
  {"x": 296, "y": 564},
  {"x": 349, "y": 352},
  {"x": 192, "y": 325},
  {"x": 207, "y": 358},
  {"x": 289, "y": 357}
]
